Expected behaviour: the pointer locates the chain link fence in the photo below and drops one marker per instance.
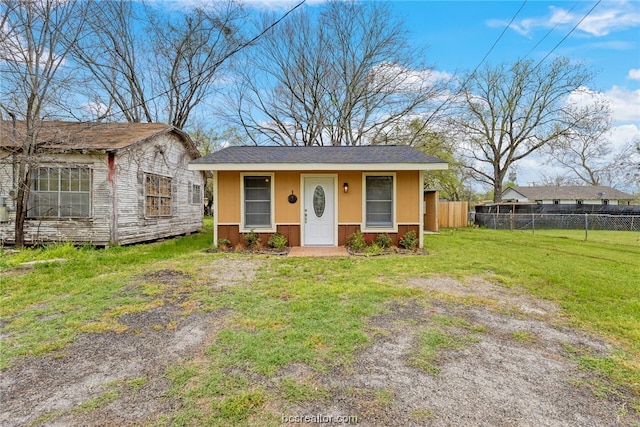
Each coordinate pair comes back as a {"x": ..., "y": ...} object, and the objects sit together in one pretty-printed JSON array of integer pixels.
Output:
[{"x": 545, "y": 221}]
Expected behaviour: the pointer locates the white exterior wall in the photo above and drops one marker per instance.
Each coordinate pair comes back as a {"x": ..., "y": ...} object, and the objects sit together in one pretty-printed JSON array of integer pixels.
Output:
[
  {"x": 574, "y": 201},
  {"x": 510, "y": 194},
  {"x": 164, "y": 156}
]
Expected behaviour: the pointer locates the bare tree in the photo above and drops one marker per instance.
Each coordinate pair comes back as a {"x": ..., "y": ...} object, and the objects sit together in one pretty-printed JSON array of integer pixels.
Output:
[
  {"x": 555, "y": 180},
  {"x": 155, "y": 67},
  {"x": 190, "y": 51},
  {"x": 511, "y": 111},
  {"x": 112, "y": 52},
  {"x": 452, "y": 183},
  {"x": 344, "y": 76},
  {"x": 37, "y": 38},
  {"x": 586, "y": 152}
]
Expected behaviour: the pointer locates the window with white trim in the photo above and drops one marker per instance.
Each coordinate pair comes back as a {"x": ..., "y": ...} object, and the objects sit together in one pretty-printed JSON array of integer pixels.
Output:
[
  {"x": 379, "y": 196},
  {"x": 157, "y": 191},
  {"x": 196, "y": 194},
  {"x": 58, "y": 192},
  {"x": 257, "y": 201}
]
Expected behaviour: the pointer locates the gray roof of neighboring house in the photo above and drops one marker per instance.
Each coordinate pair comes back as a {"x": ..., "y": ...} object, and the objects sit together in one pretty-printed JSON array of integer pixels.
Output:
[
  {"x": 572, "y": 192},
  {"x": 319, "y": 157}
]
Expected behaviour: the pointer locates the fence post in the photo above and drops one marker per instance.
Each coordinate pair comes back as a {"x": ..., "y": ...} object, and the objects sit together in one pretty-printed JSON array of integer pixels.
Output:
[
  {"x": 533, "y": 223},
  {"x": 586, "y": 226}
]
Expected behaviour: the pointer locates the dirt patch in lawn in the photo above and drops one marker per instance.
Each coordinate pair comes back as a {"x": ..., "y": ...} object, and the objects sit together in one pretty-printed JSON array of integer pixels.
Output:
[
  {"x": 503, "y": 363},
  {"x": 118, "y": 378}
]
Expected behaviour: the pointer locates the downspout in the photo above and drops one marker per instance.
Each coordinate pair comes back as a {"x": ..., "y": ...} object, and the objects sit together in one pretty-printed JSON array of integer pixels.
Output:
[{"x": 113, "y": 215}]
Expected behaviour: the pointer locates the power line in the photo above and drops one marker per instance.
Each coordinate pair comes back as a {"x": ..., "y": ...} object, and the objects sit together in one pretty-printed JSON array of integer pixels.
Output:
[
  {"x": 567, "y": 35},
  {"x": 486, "y": 55},
  {"x": 497, "y": 40},
  {"x": 218, "y": 63},
  {"x": 552, "y": 29},
  {"x": 446, "y": 101}
]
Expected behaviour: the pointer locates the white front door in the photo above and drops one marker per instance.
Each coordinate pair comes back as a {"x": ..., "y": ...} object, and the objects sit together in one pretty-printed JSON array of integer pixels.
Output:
[{"x": 319, "y": 211}]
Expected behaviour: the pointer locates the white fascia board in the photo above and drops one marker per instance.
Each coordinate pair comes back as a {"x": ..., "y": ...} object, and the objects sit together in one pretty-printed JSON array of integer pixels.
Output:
[{"x": 248, "y": 167}]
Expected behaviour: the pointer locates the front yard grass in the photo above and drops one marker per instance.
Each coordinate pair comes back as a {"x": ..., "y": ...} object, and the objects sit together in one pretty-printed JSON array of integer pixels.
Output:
[{"x": 312, "y": 311}]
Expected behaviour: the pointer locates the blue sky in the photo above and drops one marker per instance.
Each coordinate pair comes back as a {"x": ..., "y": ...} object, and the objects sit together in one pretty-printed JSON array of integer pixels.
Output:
[
  {"x": 606, "y": 37},
  {"x": 460, "y": 33}
]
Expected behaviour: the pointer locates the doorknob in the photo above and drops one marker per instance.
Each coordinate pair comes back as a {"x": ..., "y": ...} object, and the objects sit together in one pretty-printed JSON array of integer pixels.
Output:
[{"x": 305, "y": 216}]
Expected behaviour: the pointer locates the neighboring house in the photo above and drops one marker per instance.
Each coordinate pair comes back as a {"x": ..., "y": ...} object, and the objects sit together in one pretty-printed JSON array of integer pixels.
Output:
[
  {"x": 103, "y": 183},
  {"x": 318, "y": 195},
  {"x": 566, "y": 195}
]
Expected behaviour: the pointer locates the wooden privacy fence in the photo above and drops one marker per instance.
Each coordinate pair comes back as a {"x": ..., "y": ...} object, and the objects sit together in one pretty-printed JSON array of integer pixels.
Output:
[{"x": 453, "y": 214}]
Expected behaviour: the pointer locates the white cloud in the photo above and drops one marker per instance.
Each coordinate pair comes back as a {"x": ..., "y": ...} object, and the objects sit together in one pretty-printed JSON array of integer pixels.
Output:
[
  {"x": 583, "y": 96},
  {"x": 391, "y": 76},
  {"x": 625, "y": 104},
  {"x": 611, "y": 16},
  {"x": 607, "y": 17},
  {"x": 95, "y": 109},
  {"x": 622, "y": 135},
  {"x": 634, "y": 74}
]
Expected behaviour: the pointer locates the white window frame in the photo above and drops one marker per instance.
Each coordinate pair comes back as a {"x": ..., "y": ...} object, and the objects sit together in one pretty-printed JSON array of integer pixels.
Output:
[
  {"x": 196, "y": 196},
  {"x": 34, "y": 193},
  {"x": 243, "y": 227},
  {"x": 394, "y": 220}
]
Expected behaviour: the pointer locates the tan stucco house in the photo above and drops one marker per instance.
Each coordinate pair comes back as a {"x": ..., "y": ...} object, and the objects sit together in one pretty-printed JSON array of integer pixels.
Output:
[{"x": 317, "y": 196}]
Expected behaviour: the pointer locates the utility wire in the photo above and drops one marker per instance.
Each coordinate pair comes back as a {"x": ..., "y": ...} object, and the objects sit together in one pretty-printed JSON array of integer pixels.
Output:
[
  {"x": 446, "y": 101},
  {"x": 551, "y": 30},
  {"x": 218, "y": 63},
  {"x": 496, "y": 42},
  {"x": 464, "y": 83},
  {"x": 567, "y": 35}
]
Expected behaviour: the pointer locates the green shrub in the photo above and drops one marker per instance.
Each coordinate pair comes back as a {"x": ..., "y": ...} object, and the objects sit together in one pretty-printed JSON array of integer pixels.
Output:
[
  {"x": 251, "y": 239},
  {"x": 356, "y": 241},
  {"x": 383, "y": 240},
  {"x": 409, "y": 240},
  {"x": 224, "y": 243},
  {"x": 277, "y": 241},
  {"x": 374, "y": 249}
]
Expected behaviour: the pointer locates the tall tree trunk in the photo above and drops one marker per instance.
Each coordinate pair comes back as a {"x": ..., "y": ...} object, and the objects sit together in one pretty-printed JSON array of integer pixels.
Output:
[{"x": 24, "y": 184}]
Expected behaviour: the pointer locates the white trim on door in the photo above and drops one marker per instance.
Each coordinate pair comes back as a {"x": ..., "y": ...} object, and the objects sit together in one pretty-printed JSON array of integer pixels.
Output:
[{"x": 303, "y": 178}]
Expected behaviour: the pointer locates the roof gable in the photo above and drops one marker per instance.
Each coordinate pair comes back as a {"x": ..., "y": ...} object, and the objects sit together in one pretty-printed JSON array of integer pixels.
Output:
[{"x": 381, "y": 157}]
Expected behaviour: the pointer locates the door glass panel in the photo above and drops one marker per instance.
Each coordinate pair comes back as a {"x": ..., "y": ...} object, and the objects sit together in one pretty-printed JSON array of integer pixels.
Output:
[{"x": 318, "y": 201}]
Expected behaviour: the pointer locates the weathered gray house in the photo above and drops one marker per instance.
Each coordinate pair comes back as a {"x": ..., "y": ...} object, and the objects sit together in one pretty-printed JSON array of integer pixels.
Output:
[{"x": 103, "y": 183}]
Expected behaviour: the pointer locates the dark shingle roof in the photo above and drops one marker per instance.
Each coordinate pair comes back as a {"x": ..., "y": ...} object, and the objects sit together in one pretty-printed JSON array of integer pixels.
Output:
[
  {"x": 572, "y": 192},
  {"x": 343, "y": 155}
]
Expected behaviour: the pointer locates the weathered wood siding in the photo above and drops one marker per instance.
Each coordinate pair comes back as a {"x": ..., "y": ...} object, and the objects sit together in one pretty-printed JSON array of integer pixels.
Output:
[
  {"x": 165, "y": 156},
  {"x": 94, "y": 229},
  {"x": 125, "y": 192}
]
